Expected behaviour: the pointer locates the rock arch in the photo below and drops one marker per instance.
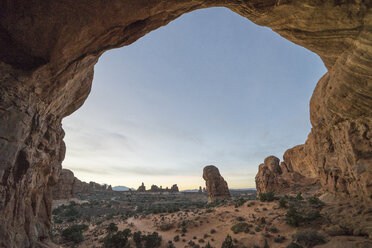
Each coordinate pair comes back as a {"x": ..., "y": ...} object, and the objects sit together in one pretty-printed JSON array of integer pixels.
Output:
[{"x": 47, "y": 56}]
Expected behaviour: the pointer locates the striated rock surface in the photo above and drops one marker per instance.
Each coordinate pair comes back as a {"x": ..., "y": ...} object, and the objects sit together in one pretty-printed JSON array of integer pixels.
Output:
[
  {"x": 50, "y": 47},
  {"x": 216, "y": 186}
]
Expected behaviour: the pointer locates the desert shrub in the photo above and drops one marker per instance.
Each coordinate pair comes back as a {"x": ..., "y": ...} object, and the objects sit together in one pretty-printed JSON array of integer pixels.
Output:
[
  {"x": 209, "y": 210},
  {"x": 176, "y": 238},
  {"x": 313, "y": 215},
  {"x": 213, "y": 231},
  {"x": 279, "y": 239},
  {"x": 315, "y": 202},
  {"x": 152, "y": 240},
  {"x": 170, "y": 244},
  {"x": 240, "y": 227},
  {"x": 309, "y": 238},
  {"x": 299, "y": 197},
  {"x": 239, "y": 218},
  {"x": 112, "y": 227},
  {"x": 165, "y": 226},
  {"x": 258, "y": 229},
  {"x": 57, "y": 220},
  {"x": 273, "y": 229},
  {"x": 293, "y": 245},
  {"x": 57, "y": 210},
  {"x": 282, "y": 202},
  {"x": 208, "y": 245},
  {"x": 266, "y": 245},
  {"x": 137, "y": 238},
  {"x": 267, "y": 197},
  {"x": 184, "y": 230},
  {"x": 240, "y": 202},
  {"x": 293, "y": 217},
  {"x": 71, "y": 212},
  {"x": 228, "y": 243},
  {"x": 74, "y": 233},
  {"x": 201, "y": 240},
  {"x": 117, "y": 240}
]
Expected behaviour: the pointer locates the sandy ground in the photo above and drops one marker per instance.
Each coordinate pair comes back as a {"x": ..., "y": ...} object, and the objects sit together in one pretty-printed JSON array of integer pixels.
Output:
[{"x": 221, "y": 219}]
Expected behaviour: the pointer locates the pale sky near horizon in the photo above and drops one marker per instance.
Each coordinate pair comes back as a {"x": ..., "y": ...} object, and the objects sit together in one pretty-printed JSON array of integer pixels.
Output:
[{"x": 209, "y": 88}]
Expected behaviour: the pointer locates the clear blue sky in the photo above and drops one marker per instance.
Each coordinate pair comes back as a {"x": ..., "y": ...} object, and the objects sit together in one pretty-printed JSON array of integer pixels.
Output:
[{"x": 209, "y": 88}]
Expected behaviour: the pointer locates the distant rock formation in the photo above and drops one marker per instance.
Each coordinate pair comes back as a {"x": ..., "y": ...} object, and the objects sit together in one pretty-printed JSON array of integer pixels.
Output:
[
  {"x": 174, "y": 188},
  {"x": 155, "y": 188},
  {"x": 272, "y": 177},
  {"x": 68, "y": 185},
  {"x": 216, "y": 186},
  {"x": 142, "y": 188},
  {"x": 64, "y": 189}
]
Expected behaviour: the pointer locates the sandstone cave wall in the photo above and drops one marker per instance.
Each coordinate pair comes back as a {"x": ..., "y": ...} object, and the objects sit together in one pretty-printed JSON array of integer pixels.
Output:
[{"x": 47, "y": 56}]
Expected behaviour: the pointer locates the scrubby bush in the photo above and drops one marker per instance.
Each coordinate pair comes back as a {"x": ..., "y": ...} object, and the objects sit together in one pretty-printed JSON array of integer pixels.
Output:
[
  {"x": 170, "y": 244},
  {"x": 279, "y": 239},
  {"x": 74, "y": 233},
  {"x": 240, "y": 202},
  {"x": 208, "y": 246},
  {"x": 213, "y": 231},
  {"x": 315, "y": 202},
  {"x": 309, "y": 238},
  {"x": 137, "y": 239},
  {"x": 165, "y": 226},
  {"x": 267, "y": 197},
  {"x": 117, "y": 240},
  {"x": 112, "y": 227},
  {"x": 293, "y": 245},
  {"x": 152, "y": 240},
  {"x": 241, "y": 227},
  {"x": 293, "y": 217},
  {"x": 228, "y": 243},
  {"x": 176, "y": 238},
  {"x": 282, "y": 202},
  {"x": 299, "y": 197}
]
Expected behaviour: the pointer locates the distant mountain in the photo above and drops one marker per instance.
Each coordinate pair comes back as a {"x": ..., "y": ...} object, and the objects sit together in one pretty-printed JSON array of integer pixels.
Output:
[{"x": 121, "y": 188}]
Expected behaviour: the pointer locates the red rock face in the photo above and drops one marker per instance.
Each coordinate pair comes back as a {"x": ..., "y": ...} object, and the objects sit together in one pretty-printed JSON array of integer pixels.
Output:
[
  {"x": 216, "y": 186},
  {"x": 64, "y": 189},
  {"x": 68, "y": 185},
  {"x": 281, "y": 179},
  {"x": 48, "y": 51}
]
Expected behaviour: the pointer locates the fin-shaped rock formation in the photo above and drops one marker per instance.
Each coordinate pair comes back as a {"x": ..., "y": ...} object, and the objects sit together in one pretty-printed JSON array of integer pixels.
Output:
[
  {"x": 47, "y": 56},
  {"x": 68, "y": 185}
]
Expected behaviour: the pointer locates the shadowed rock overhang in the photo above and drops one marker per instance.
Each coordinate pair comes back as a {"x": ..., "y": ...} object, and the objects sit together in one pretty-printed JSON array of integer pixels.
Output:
[{"x": 47, "y": 56}]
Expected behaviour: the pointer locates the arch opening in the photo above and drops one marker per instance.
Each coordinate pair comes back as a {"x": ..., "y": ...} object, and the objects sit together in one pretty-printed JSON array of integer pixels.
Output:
[
  {"x": 199, "y": 91},
  {"x": 47, "y": 70}
]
